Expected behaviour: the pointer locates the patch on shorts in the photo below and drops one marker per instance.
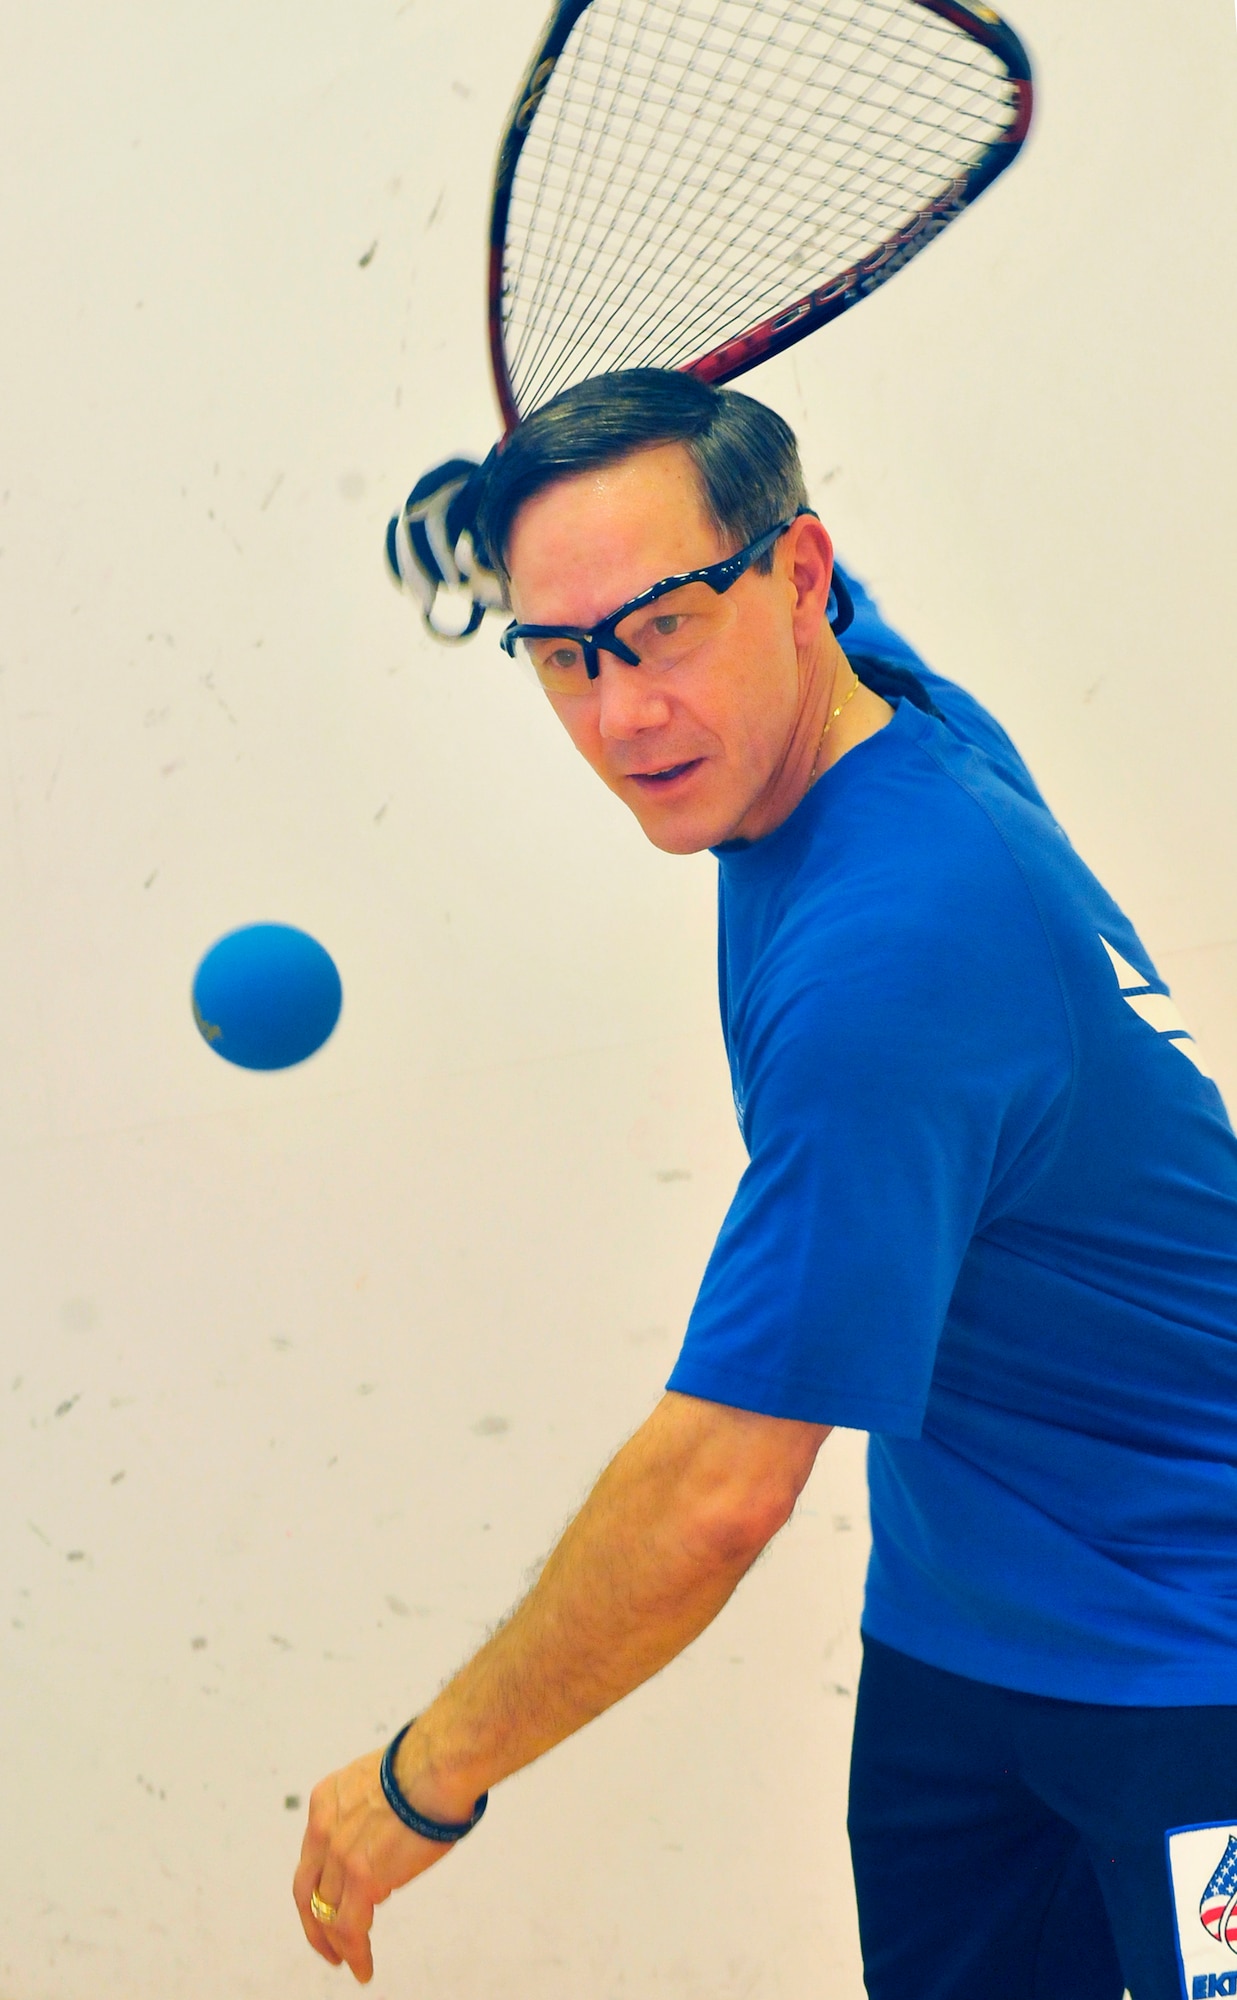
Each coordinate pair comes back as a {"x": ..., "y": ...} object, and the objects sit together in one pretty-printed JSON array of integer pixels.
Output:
[{"x": 1202, "y": 1867}]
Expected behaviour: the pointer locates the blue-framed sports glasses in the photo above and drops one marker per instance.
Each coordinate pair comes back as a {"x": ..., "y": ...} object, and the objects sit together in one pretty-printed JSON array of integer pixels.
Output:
[{"x": 657, "y": 629}]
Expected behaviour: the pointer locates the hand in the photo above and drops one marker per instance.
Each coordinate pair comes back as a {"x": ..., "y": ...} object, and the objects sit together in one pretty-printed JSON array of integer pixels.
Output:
[{"x": 355, "y": 1852}]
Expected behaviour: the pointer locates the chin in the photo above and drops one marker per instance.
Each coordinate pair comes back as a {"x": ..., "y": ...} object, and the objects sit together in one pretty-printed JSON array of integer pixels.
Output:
[
  {"x": 681, "y": 844},
  {"x": 679, "y": 834}
]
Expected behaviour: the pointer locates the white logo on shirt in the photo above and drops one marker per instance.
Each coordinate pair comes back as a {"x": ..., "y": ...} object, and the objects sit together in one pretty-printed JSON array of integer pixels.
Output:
[{"x": 1159, "y": 1010}]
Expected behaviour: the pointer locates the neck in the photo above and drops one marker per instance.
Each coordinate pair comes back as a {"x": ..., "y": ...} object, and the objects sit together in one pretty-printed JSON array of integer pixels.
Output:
[
  {"x": 839, "y": 713},
  {"x": 819, "y": 738}
]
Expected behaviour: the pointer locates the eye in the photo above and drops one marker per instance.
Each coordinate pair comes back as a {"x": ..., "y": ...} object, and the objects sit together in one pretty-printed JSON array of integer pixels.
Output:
[
  {"x": 667, "y": 624},
  {"x": 563, "y": 659}
]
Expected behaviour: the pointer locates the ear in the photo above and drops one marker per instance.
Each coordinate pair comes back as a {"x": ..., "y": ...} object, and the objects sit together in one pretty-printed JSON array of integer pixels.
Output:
[{"x": 809, "y": 567}]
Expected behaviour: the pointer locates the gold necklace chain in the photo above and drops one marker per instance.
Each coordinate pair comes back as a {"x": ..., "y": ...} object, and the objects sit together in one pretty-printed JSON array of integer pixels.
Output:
[{"x": 854, "y": 689}]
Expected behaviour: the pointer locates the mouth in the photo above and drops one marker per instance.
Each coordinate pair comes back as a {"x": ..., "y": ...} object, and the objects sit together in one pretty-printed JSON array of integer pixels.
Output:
[{"x": 670, "y": 774}]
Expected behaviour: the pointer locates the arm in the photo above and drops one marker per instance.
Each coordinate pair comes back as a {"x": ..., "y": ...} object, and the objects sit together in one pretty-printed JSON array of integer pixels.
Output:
[{"x": 669, "y": 1529}]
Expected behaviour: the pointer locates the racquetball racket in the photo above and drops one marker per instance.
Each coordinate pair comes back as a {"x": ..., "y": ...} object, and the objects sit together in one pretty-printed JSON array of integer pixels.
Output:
[{"x": 698, "y": 184}]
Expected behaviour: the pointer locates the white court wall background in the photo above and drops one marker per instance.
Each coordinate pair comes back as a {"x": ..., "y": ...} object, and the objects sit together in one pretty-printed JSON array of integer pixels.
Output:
[{"x": 301, "y": 1373}]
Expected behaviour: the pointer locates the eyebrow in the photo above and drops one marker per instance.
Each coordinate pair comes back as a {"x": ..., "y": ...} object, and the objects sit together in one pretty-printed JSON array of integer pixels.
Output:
[{"x": 728, "y": 569}]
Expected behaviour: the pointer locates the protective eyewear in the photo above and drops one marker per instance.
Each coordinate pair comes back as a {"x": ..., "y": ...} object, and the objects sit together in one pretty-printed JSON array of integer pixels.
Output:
[{"x": 656, "y": 630}]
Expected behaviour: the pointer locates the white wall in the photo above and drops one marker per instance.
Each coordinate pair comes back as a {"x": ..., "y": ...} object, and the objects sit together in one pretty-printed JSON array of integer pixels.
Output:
[{"x": 258, "y": 1331}]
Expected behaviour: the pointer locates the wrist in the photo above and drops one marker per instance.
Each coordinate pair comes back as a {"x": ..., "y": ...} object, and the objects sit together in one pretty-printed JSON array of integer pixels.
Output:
[{"x": 428, "y": 1785}]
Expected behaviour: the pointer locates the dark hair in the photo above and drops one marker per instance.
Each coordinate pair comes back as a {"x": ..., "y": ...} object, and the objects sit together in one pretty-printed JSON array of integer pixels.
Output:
[{"x": 745, "y": 455}]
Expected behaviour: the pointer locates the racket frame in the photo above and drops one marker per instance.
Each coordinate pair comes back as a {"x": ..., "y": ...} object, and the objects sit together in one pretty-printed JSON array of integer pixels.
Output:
[{"x": 801, "y": 316}]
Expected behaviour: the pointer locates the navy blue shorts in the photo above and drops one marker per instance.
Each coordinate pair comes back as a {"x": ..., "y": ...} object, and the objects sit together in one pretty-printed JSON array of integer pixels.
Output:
[{"x": 1012, "y": 1847}]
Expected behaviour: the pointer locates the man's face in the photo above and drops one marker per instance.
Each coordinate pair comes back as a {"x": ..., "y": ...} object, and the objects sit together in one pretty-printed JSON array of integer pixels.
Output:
[{"x": 704, "y": 752}]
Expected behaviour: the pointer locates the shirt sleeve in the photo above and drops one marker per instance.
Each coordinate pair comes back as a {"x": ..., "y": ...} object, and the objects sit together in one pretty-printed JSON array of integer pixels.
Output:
[{"x": 901, "y": 1082}]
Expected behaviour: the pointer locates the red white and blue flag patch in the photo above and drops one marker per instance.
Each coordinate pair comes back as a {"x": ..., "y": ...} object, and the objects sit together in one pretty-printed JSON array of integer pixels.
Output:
[
  {"x": 1218, "y": 1909},
  {"x": 1202, "y": 1866}
]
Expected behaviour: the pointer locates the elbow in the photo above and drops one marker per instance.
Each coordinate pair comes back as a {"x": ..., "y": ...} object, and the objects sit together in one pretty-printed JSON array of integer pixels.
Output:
[{"x": 729, "y": 1531}]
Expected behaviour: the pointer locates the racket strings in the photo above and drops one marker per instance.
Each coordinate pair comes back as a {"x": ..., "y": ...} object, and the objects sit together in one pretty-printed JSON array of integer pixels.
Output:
[
  {"x": 608, "y": 140},
  {"x": 735, "y": 111},
  {"x": 760, "y": 241},
  {"x": 694, "y": 168},
  {"x": 584, "y": 223},
  {"x": 763, "y": 184}
]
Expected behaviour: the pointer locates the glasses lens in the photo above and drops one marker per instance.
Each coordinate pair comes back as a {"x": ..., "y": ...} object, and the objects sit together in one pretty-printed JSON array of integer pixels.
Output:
[
  {"x": 558, "y": 663},
  {"x": 674, "y": 626}
]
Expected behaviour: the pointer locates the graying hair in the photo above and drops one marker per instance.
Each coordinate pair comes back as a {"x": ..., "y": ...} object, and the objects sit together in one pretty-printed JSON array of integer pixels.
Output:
[{"x": 746, "y": 456}]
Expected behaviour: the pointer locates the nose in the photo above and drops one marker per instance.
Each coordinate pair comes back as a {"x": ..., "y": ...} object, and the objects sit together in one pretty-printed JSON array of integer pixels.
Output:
[{"x": 628, "y": 701}]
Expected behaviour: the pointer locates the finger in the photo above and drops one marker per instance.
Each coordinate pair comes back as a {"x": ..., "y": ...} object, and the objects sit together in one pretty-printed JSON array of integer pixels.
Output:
[
  {"x": 350, "y": 1932},
  {"x": 346, "y": 1889},
  {"x": 317, "y": 1837},
  {"x": 315, "y": 1871},
  {"x": 319, "y": 1934}
]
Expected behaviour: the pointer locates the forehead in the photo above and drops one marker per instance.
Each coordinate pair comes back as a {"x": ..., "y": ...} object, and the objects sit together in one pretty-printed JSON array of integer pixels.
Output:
[{"x": 583, "y": 546}]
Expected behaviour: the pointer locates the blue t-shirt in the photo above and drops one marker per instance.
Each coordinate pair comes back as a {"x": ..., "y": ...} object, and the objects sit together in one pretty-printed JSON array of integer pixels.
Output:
[{"x": 990, "y": 1215}]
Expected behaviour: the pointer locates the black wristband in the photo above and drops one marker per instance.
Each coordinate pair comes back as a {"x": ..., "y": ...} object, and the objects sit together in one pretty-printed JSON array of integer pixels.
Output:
[{"x": 429, "y": 1829}]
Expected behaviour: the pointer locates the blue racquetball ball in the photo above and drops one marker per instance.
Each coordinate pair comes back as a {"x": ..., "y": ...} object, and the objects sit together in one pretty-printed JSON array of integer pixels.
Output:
[{"x": 267, "y": 996}]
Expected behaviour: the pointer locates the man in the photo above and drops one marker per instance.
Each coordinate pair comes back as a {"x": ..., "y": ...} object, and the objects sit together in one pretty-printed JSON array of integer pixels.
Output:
[{"x": 990, "y": 1216}]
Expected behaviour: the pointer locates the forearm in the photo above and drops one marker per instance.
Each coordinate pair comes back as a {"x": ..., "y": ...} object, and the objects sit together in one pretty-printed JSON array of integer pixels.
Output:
[
  {"x": 648, "y": 1562},
  {"x": 652, "y": 1556}
]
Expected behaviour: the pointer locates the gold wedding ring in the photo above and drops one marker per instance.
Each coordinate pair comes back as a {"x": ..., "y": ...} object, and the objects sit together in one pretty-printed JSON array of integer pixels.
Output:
[{"x": 326, "y": 1913}]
